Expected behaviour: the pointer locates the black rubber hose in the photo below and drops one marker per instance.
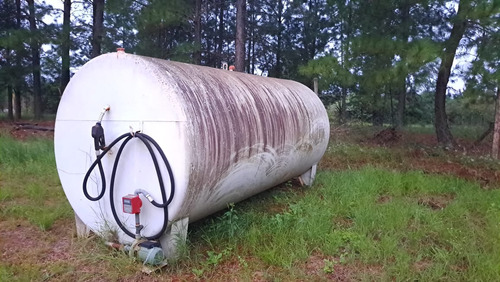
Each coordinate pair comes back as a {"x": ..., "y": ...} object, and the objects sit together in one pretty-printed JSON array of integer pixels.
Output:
[
  {"x": 144, "y": 138},
  {"x": 112, "y": 185},
  {"x": 98, "y": 163},
  {"x": 170, "y": 173}
]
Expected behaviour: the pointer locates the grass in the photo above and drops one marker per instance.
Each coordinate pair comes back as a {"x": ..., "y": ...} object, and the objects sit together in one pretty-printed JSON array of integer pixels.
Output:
[
  {"x": 355, "y": 148},
  {"x": 30, "y": 186},
  {"x": 376, "y": 218},
  {"x": 363, "y": 223},
  {"x": 469, "y": 132}
]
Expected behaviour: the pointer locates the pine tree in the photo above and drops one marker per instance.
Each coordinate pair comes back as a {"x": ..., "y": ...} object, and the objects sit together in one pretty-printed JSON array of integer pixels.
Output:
[
  {"x": 239, "y": 61},
  {"x": 97, "y": 27},
  {"x": 35, "y": 60},
  {"x": 7, "y": 27},
  {"x": 65, "y": 46}
]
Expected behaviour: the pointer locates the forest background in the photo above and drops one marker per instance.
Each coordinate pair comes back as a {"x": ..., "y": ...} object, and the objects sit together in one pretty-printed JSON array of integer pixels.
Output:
[{"x": 379, "y": 62}]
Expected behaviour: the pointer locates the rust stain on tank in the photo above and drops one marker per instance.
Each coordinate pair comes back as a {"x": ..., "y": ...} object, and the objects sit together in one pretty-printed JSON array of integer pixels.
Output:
[{"x": 236, "y": 116}]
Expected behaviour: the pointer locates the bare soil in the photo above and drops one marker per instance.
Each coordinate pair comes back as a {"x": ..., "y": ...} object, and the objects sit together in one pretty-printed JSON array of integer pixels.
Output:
[
  {"x": 422, "y": 152},
  {"x": 20, "y": 132},
  {"x": 436, "y": 202}
]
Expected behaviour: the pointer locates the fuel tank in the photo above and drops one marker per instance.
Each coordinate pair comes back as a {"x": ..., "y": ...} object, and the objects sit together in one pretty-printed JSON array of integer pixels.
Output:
[{"x": 226, "y": 135}]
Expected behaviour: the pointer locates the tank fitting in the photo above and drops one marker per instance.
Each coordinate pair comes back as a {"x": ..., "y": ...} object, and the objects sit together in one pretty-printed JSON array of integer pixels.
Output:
[{"x": 104, "y": 110}]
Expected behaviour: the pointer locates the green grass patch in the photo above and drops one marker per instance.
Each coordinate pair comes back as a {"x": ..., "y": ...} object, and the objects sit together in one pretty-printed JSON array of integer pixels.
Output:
[
  {"x": 405, "y": 225},
  {"x": 352, "y": 153},
  {"x": 412, "y": 225},
  {"x": 5, "y": 273},
  {"x": 30, "y": 185},
  {"x": 468, "y": 132}
]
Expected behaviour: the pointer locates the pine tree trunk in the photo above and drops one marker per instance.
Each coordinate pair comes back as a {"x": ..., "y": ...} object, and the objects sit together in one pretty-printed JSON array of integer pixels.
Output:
[
  {"x": 443, "y": 132},
  {"x": 496, "y": 131},
  {"x": 344, "y": 47},
  {"x": 17, "y": 104},
  {"x": 377, "y": 114},
  {"x": 97, "y": 27},
  {"x": 253, "y": 46},
  {"x": 248, "y": 51},
  {"x": 253, "y": 53},
  {"x": 10, "y": 110},
  {"x": 239, "y": 62},
  {"x": 17, "y": 88},
  {"x": 65, "y": 47},
  {"x": 342, "y": 108},
  {"x": 35, "y": 61},
  {"x": 250, "y": 12},
  {"x": 197, "y": 33},
  {"x": 220, "y": 39},
  {"x": 279, "y": 37},
  {"x": 400, "y": 111},
  {"x": 10, "y": 113}
]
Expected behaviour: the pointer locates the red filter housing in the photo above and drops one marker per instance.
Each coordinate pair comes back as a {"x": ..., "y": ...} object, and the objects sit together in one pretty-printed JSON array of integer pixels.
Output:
[{"x": 131, "y": 204}]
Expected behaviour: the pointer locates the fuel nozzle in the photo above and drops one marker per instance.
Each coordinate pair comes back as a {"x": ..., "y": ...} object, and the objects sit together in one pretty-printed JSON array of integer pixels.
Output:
[
  {"x": 98, "y": 132},
  {"x": 98, "y": 135}
]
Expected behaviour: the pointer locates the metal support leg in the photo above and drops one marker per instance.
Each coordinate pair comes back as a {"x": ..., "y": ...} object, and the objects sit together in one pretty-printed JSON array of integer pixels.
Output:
[
  {"x": 175, "y": 238},
  {"x": 308, "y": 177},
  {"x": 82, "y": 230}
]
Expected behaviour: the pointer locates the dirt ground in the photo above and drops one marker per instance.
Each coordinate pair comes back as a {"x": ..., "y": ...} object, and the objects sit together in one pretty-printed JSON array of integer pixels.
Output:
[
  {"x": 25, "y": 130},
  {"x": 467, "y": 160}
]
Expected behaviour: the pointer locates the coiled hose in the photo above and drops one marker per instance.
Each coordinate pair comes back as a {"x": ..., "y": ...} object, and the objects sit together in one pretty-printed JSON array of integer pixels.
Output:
[{"x": 147, "y": 140}]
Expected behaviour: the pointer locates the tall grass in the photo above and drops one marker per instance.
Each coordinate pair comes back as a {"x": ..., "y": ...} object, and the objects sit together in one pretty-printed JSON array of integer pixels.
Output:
[
  {"x": 30, "y": 185},
  {"x": 375, "y": 218},
  {"x": 32, "y": 156}
]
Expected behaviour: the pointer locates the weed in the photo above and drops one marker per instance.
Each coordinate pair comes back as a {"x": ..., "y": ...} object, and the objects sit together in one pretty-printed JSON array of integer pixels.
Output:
[
  {"x": 227, "y": 226},
  {"x": 198, "y": 272},
  {"x": 229, "y": 221},
  {"x": 329, "y": 266},
  {"x": 213, "y": 259},
  {"x": 242, "y": 262}
]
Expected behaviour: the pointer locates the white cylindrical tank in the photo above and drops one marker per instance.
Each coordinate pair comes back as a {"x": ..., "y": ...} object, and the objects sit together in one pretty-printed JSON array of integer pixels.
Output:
[{"x": 227, "y": 136}]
